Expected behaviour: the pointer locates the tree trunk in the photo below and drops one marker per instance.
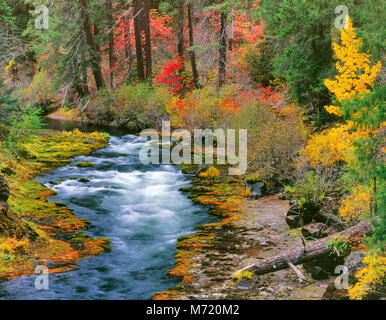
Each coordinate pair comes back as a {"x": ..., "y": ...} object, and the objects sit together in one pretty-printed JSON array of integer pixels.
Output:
[
  {"x": 232, "y": 29},
  {"x": 142, "y": 23},
  {"x": 191, "y": 44},
  {"x": 85, "y": 80},
  {"x": 129, "y": 53},
  {"x": 301, "y": 254},
  {"x": 146, "y": 27},
  {"x": 222, "y": 50},
  {"x": 93, "y": 49},
  {"x": 112, "y": 59},
  {"x": 180, "y": 33},
  {"x": 138, "y": 39}
]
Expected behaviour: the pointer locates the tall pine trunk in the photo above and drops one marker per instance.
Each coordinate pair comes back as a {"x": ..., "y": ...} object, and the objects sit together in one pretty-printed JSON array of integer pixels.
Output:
[
  {"x": 138, "y": 39},
  {"x": 146, "y": 28},
  {"x": 142, "y": 24},
  {"x": 180, "y": 33},
  {"x": 93, "y": 48},
  {"x": 191, "y": 44},
  {"x": 112, "y": 59},
  {"x": 222, "y": 50},
  {"x": 129, "y": 50}
]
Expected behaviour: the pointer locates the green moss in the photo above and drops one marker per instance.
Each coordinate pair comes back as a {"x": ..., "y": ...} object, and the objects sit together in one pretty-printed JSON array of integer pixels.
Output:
[
  {"x": 83, "y": 180},
  {"x": 50, "y": 220},
  {"x": 84, "y": 164}
]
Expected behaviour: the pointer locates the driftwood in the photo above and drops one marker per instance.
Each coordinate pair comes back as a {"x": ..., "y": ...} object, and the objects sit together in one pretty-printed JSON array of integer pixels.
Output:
[
  {"x": 300, "y": 275},
  {"x": 300, "y": 254}
]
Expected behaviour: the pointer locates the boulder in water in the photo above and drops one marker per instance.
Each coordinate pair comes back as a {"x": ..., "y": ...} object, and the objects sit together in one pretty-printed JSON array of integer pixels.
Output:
[{"x": 84, "y": 164}]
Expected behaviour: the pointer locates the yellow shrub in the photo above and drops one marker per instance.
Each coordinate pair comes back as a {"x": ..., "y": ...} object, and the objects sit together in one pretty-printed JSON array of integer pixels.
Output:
[
  {"x": 245, "y": 274},
  {"x": 331, "y": 145},
  {"x": 357, "y": 205},
  {"x": 356, "y": 75},
  {"x": 211, "y": 173},
  {"x": 370, "y": 277},
  {"x": 40, "y": 91}
]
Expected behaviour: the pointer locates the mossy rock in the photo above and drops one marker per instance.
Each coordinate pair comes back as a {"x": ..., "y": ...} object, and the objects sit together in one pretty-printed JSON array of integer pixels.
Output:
[
  {"x": 54, "y": 183},
  {"x": 83, "y": 180},
  {"x": 84, "y": 164}
]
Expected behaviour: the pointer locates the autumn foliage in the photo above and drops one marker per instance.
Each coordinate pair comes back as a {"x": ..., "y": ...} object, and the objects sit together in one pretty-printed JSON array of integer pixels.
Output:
[{"x": 170, "y": 75}]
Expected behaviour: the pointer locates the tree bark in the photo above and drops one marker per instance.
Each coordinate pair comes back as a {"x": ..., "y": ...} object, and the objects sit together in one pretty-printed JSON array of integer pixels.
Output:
[
  {"x": 129, "y": 53},
  {"x": 222, "y": 50},
  {"x": 180, "y": 19},
  {"x": 93, "y": 49},
  {"x": 301, "y": 254},
  {"x": 138, "y": 39},
  {"x": 146, "y": 27},
  {"x": 142, "y": 24},
  {"x": 232, "y": 29},
  {"x": 112, "y": 58},
  {"x": 191, "y": 44}
]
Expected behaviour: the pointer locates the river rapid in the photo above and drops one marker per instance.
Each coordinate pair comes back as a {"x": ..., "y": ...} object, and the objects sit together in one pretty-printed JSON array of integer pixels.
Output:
[{"x": 139, "y": 207}]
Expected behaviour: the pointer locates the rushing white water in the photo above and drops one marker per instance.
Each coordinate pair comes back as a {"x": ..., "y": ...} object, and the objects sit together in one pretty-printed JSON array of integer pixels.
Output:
[{"x": 141, "y": 210}]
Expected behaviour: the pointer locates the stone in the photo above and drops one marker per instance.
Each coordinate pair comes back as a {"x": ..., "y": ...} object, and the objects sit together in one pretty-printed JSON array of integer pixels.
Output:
[
  {"x": 256, "y": 189},
  {"x": 326, "y": 262},
  {"x": 84, "y": 164},
  {"x": 244, "y": 284},
  {"x": 319, "y": 274},
  {"x": 294, "y": 221},
  {"x": 332, "y": 293},
  {"x": 83, "y": 180},
  {"x": 354, "y": 263},
  {"x": 314, "y": 230}
]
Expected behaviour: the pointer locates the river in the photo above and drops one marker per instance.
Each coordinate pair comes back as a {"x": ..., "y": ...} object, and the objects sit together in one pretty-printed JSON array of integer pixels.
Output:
[{"x": 139, "y": 207}]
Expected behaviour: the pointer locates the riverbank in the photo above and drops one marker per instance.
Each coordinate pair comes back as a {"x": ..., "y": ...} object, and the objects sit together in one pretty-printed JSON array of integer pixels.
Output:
[
  {"x": 250, "y": 230},
  {"x": 52, "y": 235}
]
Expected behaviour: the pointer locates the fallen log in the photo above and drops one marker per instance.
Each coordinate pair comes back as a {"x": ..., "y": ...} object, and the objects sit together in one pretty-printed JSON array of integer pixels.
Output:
[{"x": 300, "y": 254}]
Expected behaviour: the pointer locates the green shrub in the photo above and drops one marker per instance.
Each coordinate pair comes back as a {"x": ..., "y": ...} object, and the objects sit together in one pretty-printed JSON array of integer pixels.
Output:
[
  {"x": 204, "y": 108},
  {"x": 259, "y": 63},
  {"x": 40, "y": 91},
  {"x": 136, "y": 106},
  {"x": 274, "y": 139},
  {"x": 24, "y": 123},
  {"x": 141, "y": 106},
  {"x": 311, "y": 189},
  {"x": 100, "y": 107}
]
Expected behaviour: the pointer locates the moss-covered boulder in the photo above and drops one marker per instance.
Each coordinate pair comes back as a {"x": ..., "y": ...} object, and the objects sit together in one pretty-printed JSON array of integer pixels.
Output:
[{"x": 84, "y": 164}]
